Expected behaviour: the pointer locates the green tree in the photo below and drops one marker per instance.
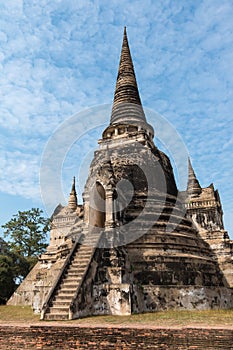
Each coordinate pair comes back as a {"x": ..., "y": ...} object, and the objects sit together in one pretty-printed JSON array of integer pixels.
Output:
[
  {"x": 12, "y": 270},
  {"x": 27, "y": 235},
  {"x": 7, "y": 282}
]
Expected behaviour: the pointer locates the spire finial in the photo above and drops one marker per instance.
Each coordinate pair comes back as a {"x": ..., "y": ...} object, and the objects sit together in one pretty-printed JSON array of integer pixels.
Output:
[
  {"x": 127, "y": 105},
  {"x": 193, "y": 188},
  {"x": 73, "y": 202},
  {"x": 73, "y": 185}
]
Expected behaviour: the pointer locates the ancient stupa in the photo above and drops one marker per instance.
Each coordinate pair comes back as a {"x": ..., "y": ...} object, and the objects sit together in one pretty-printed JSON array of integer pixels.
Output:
[{"x": 136, "y": 244}]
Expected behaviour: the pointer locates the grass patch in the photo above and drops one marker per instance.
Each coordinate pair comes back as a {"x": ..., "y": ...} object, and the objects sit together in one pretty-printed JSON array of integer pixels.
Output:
[
  {"x": 168, "y": 318},
  {"x": 171, "y": 318},
  {"x": 10, "y": 313}
]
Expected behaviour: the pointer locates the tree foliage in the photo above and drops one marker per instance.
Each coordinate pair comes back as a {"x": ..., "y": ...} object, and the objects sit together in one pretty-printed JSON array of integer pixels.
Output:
[
  {"x": 13, "y": 269},
  {"x": 27, "y": 235},
  {"x": 7, "y": 283},
  {"x": 27, "y": 232}
]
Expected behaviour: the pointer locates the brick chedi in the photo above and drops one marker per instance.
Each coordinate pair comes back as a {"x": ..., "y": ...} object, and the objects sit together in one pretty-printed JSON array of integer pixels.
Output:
[
  {"x": 204, "y": 208},
  {"x": 133, "y": 245}
]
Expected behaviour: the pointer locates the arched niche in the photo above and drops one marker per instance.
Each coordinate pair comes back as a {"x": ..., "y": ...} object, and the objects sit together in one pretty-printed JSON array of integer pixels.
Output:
[{"x": 97, "y": 210}]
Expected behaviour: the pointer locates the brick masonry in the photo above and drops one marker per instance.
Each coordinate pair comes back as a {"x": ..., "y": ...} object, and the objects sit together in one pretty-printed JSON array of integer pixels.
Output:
[{"x": 120, "y": 338}]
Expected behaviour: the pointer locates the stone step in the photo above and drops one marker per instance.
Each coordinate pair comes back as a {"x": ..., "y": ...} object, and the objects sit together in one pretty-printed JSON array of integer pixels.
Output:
[
  {"x": 84, "y": 250},
  {"x": 67, "y": 281},
  {"x": 73, "y": 273},
  {"x": 67, "y": 288},
  {"x": 88, "y": 245},
  {"x": 63, "y": 297},
  {"x": 62, "y": 309},
  {"x": 78, "y": 262},
  {"x": 62, "y": 300},
  {"x": 75, "y": 266},
  {"x": 64, "y": 292},
  {"x": 70, "y": 285},
  {"x": 56, "y": 317},
  {"x": 80, "y": 257},
  {"x": 71, "y": 279},
  {"x": 60, "y": 304},
  {"x": 58, "y": 311}
]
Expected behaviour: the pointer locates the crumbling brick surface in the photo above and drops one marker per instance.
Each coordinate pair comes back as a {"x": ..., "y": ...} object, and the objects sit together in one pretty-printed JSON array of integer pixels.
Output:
[{"x": 105, "y": 338}]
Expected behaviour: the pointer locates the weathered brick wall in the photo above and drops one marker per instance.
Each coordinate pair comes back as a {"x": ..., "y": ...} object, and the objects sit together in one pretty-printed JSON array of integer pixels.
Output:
[{"x": 73, "y": 337}]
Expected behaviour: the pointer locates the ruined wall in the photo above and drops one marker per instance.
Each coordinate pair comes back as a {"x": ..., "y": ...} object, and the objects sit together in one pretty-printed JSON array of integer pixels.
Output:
[
  {"x": 221, "y": 246},
  {"x": 148, "y": 298},
  {"x": 205, "y": 210},
  {"x": 34, "y": 289},
  {"x": 149, "y": 283},
  {"x": 104, "y": 291},
  {"x": 120, "y": 338}
]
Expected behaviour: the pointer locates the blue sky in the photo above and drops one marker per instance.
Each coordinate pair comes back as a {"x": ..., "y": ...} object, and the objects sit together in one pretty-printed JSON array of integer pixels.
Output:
[{"x": 60, "y": 57}]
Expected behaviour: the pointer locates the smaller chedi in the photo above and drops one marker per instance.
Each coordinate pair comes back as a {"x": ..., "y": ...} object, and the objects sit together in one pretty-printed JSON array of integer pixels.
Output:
[{"x": 136, "y": 244}]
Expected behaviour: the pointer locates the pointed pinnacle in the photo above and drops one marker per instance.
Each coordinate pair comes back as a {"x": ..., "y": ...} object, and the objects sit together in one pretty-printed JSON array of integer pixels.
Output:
[
  {"x": 127, "y": 103},
  {"x": 193, "y": 188},
  {"x": 73, "y": 202},
  {"x": 73, "y": 185}
]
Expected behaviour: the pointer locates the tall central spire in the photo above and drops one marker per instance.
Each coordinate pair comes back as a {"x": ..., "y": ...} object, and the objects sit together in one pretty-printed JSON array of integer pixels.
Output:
[{"x": 127, "y": 105}]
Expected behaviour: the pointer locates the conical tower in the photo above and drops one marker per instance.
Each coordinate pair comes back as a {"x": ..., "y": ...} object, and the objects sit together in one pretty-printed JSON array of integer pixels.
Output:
[
  {"x": 193, "y": 188},
  {"x": 73, "y": 202},
  {"x": 127, "y": 107}
]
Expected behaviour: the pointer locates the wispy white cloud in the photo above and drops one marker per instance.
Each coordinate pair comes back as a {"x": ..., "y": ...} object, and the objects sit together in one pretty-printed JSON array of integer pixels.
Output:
[{"x": 20, "y": 175}]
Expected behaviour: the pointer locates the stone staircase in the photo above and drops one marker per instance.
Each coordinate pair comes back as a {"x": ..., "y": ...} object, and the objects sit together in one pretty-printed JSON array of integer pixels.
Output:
[{"x": 57, "y": 306}]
